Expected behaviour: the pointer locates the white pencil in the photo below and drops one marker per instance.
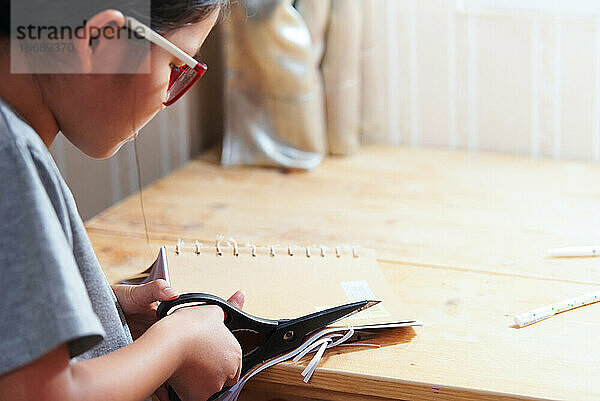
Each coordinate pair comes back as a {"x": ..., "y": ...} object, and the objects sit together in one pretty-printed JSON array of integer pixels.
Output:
[
  {"x": 572, "y": 251},
  {"x": 527, "y": 318}
]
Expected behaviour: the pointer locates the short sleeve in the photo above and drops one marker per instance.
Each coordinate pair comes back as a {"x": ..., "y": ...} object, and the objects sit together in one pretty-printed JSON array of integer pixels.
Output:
[{"x": 44, "y": 299}]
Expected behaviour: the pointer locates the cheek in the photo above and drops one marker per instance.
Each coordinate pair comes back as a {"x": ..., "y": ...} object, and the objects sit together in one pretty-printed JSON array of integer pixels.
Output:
[
  {"x": 150, "y": 91},
  {"x": 156, "y": 83},
  {"x": 141, "y": 97}
]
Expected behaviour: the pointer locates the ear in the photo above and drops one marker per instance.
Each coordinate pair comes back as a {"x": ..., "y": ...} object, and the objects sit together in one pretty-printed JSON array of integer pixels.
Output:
[{"x": 95, "y": 35}]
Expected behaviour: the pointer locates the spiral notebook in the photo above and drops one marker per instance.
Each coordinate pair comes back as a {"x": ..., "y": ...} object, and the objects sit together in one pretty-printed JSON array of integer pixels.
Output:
[{"x": 282, "y": 282}]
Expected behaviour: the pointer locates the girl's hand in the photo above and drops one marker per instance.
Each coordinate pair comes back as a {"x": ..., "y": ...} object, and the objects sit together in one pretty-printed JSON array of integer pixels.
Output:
[
  {"x": 212, "y": 355},
  {"x": 139, "y": 303}
]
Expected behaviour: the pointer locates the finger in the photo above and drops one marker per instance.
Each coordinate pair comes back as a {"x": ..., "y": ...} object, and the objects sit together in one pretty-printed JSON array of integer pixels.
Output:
[
  {"x": 158, "y": 290},
  {"x": 232, "y": 381},
  {"x": 238, "y": 299},
  {"x": 238, "y": 374}
]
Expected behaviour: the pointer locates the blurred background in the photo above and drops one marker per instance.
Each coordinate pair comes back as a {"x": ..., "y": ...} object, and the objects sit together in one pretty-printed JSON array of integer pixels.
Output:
[{"x": 291, "y": 82}]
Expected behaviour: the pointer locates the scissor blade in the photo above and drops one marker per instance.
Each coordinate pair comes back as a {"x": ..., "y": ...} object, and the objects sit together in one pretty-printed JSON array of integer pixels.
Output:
[
  {"x": 318, "y": 320},
  {"x": 366, "y": 306}
]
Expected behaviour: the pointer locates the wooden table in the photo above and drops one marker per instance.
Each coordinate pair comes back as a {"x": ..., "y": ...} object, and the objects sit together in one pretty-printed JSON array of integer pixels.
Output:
[{"x": 461, "y": 238}]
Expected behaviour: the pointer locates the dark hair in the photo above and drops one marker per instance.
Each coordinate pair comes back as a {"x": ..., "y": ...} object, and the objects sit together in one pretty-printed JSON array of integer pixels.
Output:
[
  {"x": 165, "y": 15},
  {"x": 168, "y": 15}
]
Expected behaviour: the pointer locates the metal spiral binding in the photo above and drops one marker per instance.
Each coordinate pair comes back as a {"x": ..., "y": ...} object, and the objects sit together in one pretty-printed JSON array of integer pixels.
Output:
[
  {"x": 179, "y": 246},
  {"x": 272, "y": 250}
]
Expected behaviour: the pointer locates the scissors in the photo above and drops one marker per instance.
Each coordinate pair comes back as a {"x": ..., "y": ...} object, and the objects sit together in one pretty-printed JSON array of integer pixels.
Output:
[{"x": 264, "y": 339}]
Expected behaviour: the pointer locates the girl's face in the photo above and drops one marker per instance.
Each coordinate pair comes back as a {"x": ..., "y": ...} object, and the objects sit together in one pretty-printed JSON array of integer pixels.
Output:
[{"x": 99, "y": 113}]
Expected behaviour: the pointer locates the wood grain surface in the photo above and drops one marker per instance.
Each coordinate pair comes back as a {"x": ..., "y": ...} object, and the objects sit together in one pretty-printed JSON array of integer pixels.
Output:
[{"x": 460, "y": 237}]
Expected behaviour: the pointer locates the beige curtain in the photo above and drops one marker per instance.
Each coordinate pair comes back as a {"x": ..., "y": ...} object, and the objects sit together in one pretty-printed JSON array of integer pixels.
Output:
[
  {"x": 335, "y": 29},
  {"x": 294, "y": 80}
]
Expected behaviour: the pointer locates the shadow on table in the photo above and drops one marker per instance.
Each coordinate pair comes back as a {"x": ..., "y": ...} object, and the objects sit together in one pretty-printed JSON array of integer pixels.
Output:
[{"x": 386, "y": 338}]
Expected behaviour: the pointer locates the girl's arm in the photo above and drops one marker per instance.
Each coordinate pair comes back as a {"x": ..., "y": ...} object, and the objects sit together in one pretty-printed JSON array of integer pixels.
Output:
[{"x": 192, "y": 344}]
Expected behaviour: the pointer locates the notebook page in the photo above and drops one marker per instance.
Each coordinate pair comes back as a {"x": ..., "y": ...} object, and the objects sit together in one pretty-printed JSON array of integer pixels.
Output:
[{"x": 284, "y": 286}]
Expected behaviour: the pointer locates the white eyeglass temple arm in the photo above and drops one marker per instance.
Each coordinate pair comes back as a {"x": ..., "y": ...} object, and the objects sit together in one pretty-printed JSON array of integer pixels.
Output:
[{"x": 146, "y": 32}]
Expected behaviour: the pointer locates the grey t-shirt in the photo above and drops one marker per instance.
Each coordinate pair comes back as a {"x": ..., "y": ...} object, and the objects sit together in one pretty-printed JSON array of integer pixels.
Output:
[{"x": 53, "y": 290}]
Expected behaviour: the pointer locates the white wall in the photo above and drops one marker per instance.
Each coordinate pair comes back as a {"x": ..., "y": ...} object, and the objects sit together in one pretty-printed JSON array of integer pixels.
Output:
[{"x": 509, "y": 76}]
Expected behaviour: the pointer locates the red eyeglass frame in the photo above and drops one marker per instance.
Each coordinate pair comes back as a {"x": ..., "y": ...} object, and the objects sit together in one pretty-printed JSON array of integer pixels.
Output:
[
  {"x": 176, "y": 72},
  {"x": 200, "y": 68}
]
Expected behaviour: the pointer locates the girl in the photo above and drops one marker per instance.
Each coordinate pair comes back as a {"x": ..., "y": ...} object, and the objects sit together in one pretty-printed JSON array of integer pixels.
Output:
[{"x": 65, "y": 334}]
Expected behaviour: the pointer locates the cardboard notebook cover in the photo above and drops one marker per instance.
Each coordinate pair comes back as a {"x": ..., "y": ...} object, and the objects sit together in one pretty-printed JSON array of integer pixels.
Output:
[{"x": 281, "y": 286}]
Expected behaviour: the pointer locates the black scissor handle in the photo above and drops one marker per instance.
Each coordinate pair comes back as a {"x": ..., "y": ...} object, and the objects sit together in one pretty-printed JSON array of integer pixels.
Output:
[
  {"x": 235, "y": 318},
  {"x": 274, "y": 331}
]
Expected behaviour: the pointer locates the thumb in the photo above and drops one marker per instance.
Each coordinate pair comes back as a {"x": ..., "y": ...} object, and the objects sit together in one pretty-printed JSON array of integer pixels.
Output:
[
  {"x": 158, "y": 290},
  {"x": 238, "y": 299}
]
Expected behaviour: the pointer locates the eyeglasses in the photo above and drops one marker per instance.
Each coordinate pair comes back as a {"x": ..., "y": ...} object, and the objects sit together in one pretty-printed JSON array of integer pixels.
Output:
[{"x": 182, "y": 78}]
